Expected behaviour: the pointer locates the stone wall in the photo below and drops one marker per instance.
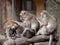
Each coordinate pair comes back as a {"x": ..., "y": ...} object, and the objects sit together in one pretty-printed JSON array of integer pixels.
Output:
[{"x": 53, "y": 7}]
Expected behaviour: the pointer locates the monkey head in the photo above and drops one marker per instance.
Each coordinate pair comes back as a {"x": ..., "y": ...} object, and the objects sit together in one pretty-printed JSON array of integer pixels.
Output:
[
  {"x": 44, "y": 14},
  {"x": 25, "y": 15},
  {"x": 43, "y": 18},
  {"x": 10, "y": 24}
]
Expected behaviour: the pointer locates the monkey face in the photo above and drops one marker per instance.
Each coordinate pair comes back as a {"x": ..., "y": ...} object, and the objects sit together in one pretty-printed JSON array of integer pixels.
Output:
[
  {"x": 23, "y": 15},
  {"x": 43, "y": 15},
  {"x": 14, "y": 26}
]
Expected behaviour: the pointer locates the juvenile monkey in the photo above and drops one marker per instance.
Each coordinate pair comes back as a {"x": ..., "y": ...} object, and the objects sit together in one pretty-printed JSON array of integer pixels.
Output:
[
  {"x": 10, "y": 29},
  {"x": 29, "y": 22},
  {"x": 48, "y": 25},
  {"x": 12, "y": 33}
]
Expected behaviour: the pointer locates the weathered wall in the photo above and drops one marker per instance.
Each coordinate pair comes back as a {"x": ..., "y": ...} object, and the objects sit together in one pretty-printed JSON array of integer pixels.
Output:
[
  {"x": 53, "y": 8},
  {"x": 2, "y": 13},
  {"x": 38, "y": 3}
]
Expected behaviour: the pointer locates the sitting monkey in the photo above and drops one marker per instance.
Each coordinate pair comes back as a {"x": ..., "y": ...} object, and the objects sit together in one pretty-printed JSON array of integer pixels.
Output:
[
  {"x": 29, "y": 22},
  {"x": 48, "y": 25}
]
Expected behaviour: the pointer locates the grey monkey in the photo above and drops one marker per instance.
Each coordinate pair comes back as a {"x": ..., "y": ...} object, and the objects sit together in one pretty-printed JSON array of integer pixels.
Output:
[{"x": 48, "y": 25}]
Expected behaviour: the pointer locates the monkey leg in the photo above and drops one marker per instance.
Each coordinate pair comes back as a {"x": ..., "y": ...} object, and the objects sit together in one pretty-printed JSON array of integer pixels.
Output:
[{"x": 9, "y": 42}]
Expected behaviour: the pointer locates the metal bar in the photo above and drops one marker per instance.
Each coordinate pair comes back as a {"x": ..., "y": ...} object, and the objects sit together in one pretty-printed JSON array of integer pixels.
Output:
[{"x": 13, "y": 10}]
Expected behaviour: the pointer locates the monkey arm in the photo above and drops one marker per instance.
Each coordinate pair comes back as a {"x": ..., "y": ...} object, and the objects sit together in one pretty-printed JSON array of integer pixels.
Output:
[{"x": 19, "y": 23}]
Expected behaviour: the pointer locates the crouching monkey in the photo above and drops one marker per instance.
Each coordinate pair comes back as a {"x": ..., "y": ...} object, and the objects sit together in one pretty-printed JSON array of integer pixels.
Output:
[
  {"x": 10, "y": 29},
  {"x": 12, "y": 34},
  {"x": 48, "y": 25},
  {"x": 29, "y": 22}
]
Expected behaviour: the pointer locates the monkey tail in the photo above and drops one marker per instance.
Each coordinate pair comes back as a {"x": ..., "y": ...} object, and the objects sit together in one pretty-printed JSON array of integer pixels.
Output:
[{"x": 51, "y": 39}]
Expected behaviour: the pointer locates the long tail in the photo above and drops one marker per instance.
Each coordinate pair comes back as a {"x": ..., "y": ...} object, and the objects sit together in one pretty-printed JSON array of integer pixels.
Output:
[{"x": 51, "y": 40}]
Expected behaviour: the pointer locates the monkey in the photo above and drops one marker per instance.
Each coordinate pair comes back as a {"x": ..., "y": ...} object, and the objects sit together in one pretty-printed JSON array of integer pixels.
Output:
[
  {"x": 12, "y": 32},
  {"x": 29, "y": 22},
  {"x": 10, "y": 29},
  {"x": 48, "y": 25}
]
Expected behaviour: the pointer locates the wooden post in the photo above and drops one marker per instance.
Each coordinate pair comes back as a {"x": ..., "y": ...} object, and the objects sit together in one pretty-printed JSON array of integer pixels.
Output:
[
  {"x": 2, "y": 14},
  {"x": 8, "y": 7},
  {"x": 39, "y": 6}
]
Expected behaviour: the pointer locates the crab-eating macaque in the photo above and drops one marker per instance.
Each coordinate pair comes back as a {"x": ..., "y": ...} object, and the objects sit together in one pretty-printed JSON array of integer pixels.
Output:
[
  {"x": 12, "y": 33},
  {"x": 48, "y": 25},
  {"x": 29, "y": 22},
  {"x": 10, "y": 28}
]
